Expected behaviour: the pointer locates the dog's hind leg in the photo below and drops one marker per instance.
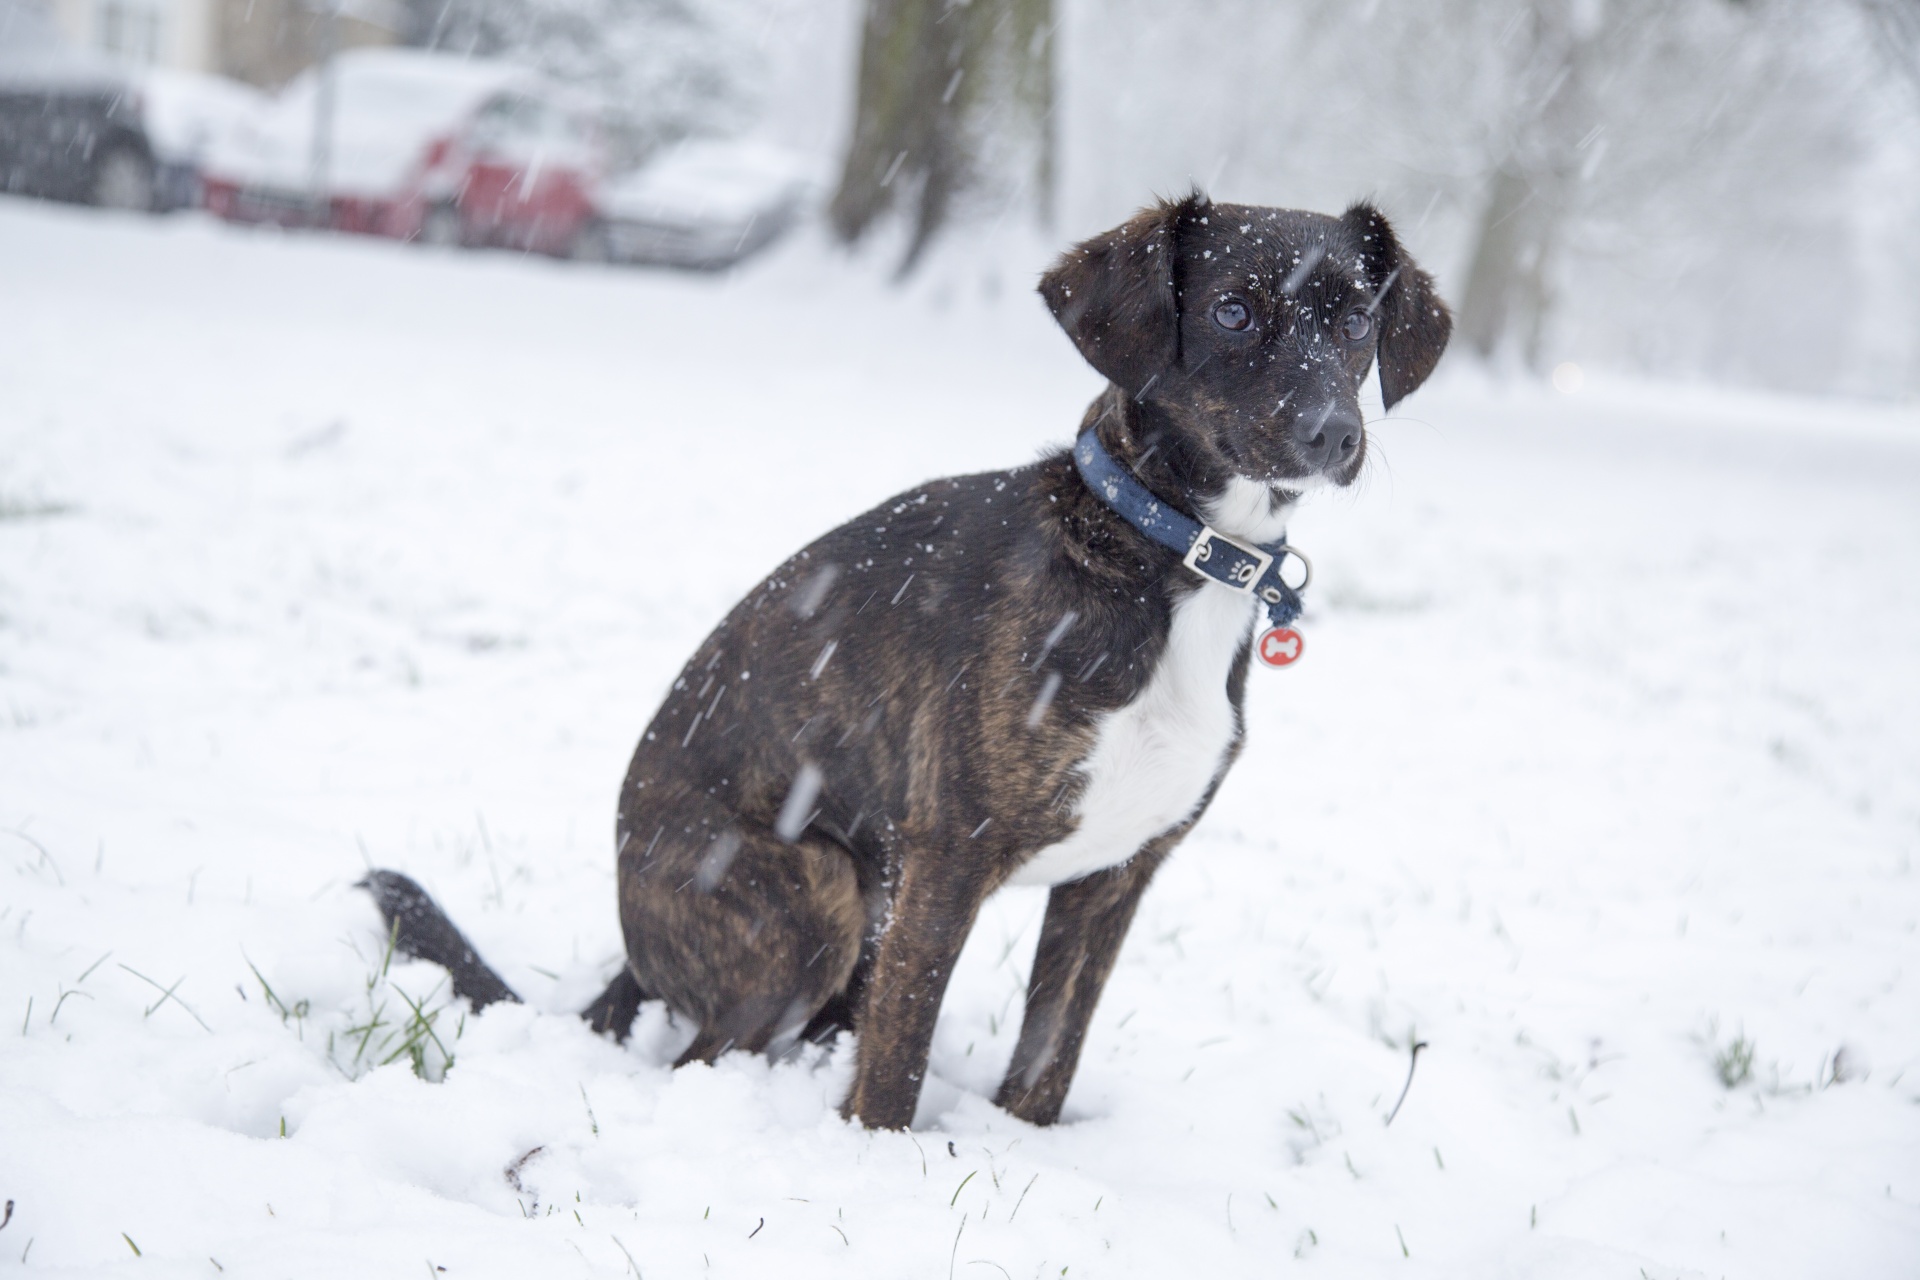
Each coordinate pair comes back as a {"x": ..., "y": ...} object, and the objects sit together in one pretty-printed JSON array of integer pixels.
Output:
[
  {"x": 615, "y": 1008},
  {"x": 419, "y": 928},
  {"x": 834, "y": 1017},
  {"x": 749, "y": 936}
]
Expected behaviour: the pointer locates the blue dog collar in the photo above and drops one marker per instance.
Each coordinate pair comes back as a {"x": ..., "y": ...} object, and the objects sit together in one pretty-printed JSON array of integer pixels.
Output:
[{"x": 1208, "y": 552}]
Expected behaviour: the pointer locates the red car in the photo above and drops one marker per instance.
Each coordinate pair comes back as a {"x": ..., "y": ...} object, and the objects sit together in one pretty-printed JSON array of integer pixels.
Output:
[{"x": 420, "y": 146}]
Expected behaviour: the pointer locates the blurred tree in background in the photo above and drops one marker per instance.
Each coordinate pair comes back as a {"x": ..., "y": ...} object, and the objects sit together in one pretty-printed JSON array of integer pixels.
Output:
[
  {"x": 954, "y": 112},
  {"x": 1558, "y": 55},
  {"x": 1898, "y": 22},
  {"x": 1678, "y": 187},
  {"x": 1575, "y": 74}
]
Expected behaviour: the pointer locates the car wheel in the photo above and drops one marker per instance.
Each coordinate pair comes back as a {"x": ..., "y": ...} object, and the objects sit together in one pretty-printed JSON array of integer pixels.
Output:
[
  {"x": 123, "y": 179},
  {"x": 442, "y": 226},
  {"x": 591, "y": 243}
]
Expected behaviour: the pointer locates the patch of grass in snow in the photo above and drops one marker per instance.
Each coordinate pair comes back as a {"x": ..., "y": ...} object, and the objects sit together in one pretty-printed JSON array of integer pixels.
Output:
[
  {"x": 1313, "y": 1124},
  {"x": 1733, "y": 1062},
  {"x": 388, "y": 1026},
  {"x": 295, "y": 1013},
  {"x": 378, "y": 1039},
  {"x": 15, "y": 508}
]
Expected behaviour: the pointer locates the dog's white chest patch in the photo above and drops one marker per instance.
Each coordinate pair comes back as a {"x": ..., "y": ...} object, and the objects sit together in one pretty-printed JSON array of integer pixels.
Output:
[{"x": 1154, "y": 758}]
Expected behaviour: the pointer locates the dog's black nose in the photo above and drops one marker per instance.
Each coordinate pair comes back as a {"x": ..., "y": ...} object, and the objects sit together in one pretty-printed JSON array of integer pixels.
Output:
[{"x": 1328, "y": 438}]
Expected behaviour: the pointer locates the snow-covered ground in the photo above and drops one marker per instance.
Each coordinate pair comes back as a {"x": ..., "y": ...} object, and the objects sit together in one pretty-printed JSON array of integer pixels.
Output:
[{"x": 1604, "y": 763}]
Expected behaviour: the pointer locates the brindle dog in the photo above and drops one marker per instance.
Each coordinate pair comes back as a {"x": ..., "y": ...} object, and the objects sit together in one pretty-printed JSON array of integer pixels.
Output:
[{"x": 995, "y": 678}]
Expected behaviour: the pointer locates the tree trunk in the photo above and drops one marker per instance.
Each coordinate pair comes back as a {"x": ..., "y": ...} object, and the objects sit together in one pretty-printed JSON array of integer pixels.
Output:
[
  {"x": 1898, "y": 25},
  {"x": 954, "y": 111},
  {"x": 1508, "y": 299},
  {"x": 1507, "y": 295}
]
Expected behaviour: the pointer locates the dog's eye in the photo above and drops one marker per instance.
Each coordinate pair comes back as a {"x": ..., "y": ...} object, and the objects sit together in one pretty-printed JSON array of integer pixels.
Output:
[
  {"x": 1232, "y": 314},
  {"x": 1359, "y": 324}
]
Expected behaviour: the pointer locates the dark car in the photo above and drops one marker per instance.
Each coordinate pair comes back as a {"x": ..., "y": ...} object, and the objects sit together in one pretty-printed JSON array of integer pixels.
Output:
[
  {"x": 76, "y": 125},
  {"x": 69, "y": 129}
]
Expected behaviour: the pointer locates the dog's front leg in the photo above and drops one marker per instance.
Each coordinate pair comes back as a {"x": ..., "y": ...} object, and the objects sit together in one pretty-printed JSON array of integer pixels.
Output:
[
  {"x": 1086, "y": 921},
  {"x": 933, "y": 911}
]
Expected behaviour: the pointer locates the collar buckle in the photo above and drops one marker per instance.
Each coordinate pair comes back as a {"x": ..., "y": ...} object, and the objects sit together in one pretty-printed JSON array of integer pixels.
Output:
[{"x": 1234, "y": 564}]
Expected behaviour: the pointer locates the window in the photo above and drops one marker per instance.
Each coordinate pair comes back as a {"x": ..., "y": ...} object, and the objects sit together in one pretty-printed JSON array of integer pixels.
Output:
[{"x": 129, "y": 29}]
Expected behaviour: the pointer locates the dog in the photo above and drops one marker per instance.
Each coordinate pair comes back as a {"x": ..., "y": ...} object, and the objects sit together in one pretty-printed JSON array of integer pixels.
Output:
[{"x": 1001, "y": 678}]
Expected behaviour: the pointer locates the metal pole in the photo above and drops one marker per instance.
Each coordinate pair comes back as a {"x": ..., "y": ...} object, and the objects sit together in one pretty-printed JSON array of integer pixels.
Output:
[{"x": 319, "y": 206}]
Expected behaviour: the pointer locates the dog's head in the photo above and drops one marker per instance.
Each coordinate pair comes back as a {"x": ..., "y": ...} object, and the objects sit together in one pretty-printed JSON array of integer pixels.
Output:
[{"x": 1252, "y": 329}]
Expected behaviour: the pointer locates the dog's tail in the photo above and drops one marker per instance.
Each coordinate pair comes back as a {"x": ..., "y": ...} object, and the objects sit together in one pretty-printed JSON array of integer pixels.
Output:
[{"x": 419, "y": 928}]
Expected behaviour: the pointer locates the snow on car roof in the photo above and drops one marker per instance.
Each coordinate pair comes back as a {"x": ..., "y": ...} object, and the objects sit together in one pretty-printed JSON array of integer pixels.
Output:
[
  {"x": 419, "y": 76},
  {"x": 388, "y": 105},
  {"x": 184, "y": 111}
]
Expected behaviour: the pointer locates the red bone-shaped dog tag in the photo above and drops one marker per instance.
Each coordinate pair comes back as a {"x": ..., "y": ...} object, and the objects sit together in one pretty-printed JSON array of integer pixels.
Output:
[{"x": 1280, "y": 646}]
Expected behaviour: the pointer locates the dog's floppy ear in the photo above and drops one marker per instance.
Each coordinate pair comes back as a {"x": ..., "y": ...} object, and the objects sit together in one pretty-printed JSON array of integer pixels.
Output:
[
  {"x": 1414, "y": 323},
  {"x": 1116, "y": 294}
]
